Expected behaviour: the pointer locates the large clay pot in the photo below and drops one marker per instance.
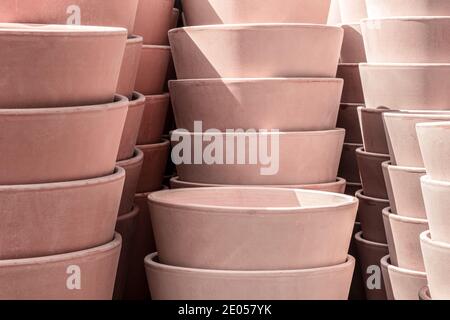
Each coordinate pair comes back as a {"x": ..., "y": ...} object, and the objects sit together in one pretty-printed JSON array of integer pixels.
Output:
[
  {"x": 130, "y": 66},
  {"x": 352, "y": 11},
  {"x": 436, "y": 256},
  {"x": 175, "y": 283},
  {"x": 353, "y": 45},
  {"x": 396, "y": 8},
  {"x": 389, "y": 236},
  {"x": 116, "y": 13},
  {"x": 387, "y": 180},
  {"x": 315, "y": 160},
  {"x": 348, "y": 119},
  {"x": 154, "y": 119},
  {"x": 348, "y": 167},
  {"x": 155, "y": 159},
  {"x": 285, "y": 104},
  {"x": 370, "y": 215},
  {"x": 424, "y": 294},
  {"x": 353, "y": 91},
  {"x": 373, "y": 132},
  {"x": 235, "y": 237},
  {"x": 81, "y": 275},
  {"x": 242, "y": 51},
  {"x": 407, "y": 39},
  {"x": 60, "y": 144},
  {"x": 152, "y": 71},
  {"x": 132, "y": 167},
  {"x": 153, "y": 20},
  {"x": 70, "y": 75},
  {"x": 370, "y": 166}
]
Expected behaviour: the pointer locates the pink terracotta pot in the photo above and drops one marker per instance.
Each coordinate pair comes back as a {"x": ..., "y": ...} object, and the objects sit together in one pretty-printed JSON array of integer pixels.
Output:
[
  {"x": 237, "y": 235},
  {"x": 353, "y": 45},
  {"x": 60, "y": 144},
  {"x": 285, "y": 104},
  {"x": 58, "y": 277},
  {"x": 132, "y": 167},
  {"x": 352, "y": 11},
  {"x": 153, "y": 20},
  {"x": 154, "y": 119},
  {"x": 353, "y": 91},
  {"x": 73, "y": 74},
  {"x": 436, "y": 256},
  {"x": 391, "y": 8},
  {"x": 372, "y": 128},
  {"x": 405, "y": 283},
  {"x": 241, "y": 51},
  {"x": 348, "y": 167},
  {"x": 389, "y": 236},
  {"x": 131, "y": 128},
  {"x": 208, "y": 12},
  {"x": 117, "y": 13},
  {"x": 348, "y": 119},
  {"x": 357, "y": 291},
  {"x": 386, "y": 277},
  {"x": 155, "y": 159},
  {"x": 407, "y": 39},
  {"x": 316, "y": 159},
  {"x": 370, "y": 215},
  {"x": 387, "y": 180},
  {"x": 370, "y": 166},
  {"x": 152, "y": 71},
  {"x": 175, "y": 283},
  {"x": 424, "y": 294},
  {"x": 130, "y": 66}
]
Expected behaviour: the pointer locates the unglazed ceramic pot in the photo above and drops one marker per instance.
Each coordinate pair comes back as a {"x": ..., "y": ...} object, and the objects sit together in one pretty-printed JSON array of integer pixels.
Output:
[
  {"x": 353, "y": 91},
  {"x": 406, "y": 86},
  {"x": 81, "y": 275},
  {"x": 407, "y": 39},
  {"x": 352, "y": 11},
  {"x": 387, "y": 180},
  {"x": 353, "y": 45},
  {"x": 115, "y": 13},
  {"x": 60, "y": 144},
  {"x": 348, "y": 167},
  {"x": 372, "y": 173},
  {"x": 155, "y": 159},
  {"x": 222, "y": 216},
  {"x": 348, "y": 119},
  {"x": 71, "y": 75},
  {"x": 372, "y": 128},
  {"x": 132, "y": 167},
  {"x": 292, "y": 104},
  {"x": 241, "y": 51},
  {"x": 436, "y": 256},
  {"x": 315, "y": 160},
  {"x": 175, "y": 283},
  {"x": 357, "y": 291},
  {"x": 352, "y": 188},
  {"x": 130, "y": 66},
  {"x": 386, "y": 278},
  {"x": 424, "y": 294},
  {"x": 153, "y": 20},
  {"x": 389, "y": 236},
  {"x": 370, "y": 215},
  {"x": 405, "y": 283},
  {"x": 395, "y": 8},
  {"x": 152, "y": 69},
  {"x": 154, "y": 119}
]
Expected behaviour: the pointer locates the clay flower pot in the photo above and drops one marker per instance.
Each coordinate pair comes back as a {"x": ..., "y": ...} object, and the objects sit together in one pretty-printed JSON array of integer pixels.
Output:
[
  {"x": 352, "y": 188},
  {"x": 116, "y": 13},
  {"x": 316, "y": 158},
  {"x": 241, "y": 51},
  {"x": 237, "y": 235},
  {"x": 389, "y": 236},
  {"x": 353, "y": 91},
  {"x": 208, "y": 12},
  {"x": 352, "y": 11},
  {"x": 405, "y": 283},
  {"x": 57, "y": 277},
  {"x": 153, "y": 20},
  {"x": 407, "y": 39},
  {"x": 387, "y": 180},
  {"x": 357, "y": 291},
  {"x": 152, "y": 69},
  {"x": 353, "y": 45},
  {"x": 155, "y": 159},
  {"x": 370, "y": 167},
  {"x": 132, "y": 167},
  {"x": 424, "y": 294},
  {"x": 175, "y": 283},
  {"x": 436, "y": 256},
  {"x": 154, "y": 119},
  {"x": 131, "y": 127},
  {"x": 73, "y": 74},
  {"x": 348, "y": 167},
  {"x": 372, "y": 128},
  {"x": 130, "y": 66},
  {"x": 396, "y": 8},
  {"x": 348, "y": 119},
  {"x": 370, "y": 215},
  {"x": 60, "y": 144}
]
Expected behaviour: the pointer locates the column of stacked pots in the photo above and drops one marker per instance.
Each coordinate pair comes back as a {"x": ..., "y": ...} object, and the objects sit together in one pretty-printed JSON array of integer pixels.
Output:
[{"x": 256, "y": 107}]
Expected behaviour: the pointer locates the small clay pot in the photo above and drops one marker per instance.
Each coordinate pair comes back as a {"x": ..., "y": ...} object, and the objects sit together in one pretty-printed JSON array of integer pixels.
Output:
[
  {"x": 348, "y": 167},
  {"x": 353, "y": 91},
  {"x": 372, "y": 128},
  {"x": 357, "y": 291},
  {"x": 130, "y": 66},
  {"x": 241, "y": 51},
  {"x": 132, "y": 167},
  {"x": 405, "y": 283},
  {"x": 131, "y": 127},
  {"x": 370, "y": 213},
  {"x": 370, "y": 166},
  {"x": 152, "y": 70},
  {"x": 154, "y": 119},
  {"x": 81, "y": 275},
  {"x": 348, "y": 119},
  {"x": 352, "y": 188},
  {"x": 60, "y": 144},
  {"x": 386, "y": 277},
  {"x": 424, "y": 294},
  {"x": 352, "y": 11},
  {"x": 293, "y": 104},
  {"x": 353, "y": 44},
  {"x": 389, "y": 235},
  {"x": 175, "y": 283},
  {"x": 387, "y": 180},
  {"x": 71, "y": 75},
  {"x": 397, "y": 8},
  {"x": 155, "y": 159}
]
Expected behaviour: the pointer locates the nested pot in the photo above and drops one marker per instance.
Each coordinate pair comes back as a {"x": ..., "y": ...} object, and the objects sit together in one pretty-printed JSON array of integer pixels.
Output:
[
  {"x": 60, "y": 144},
  {"x": 352, "y": 11},
  {"x": 242, "y": 51},
  {"x": 372, "y": 128},
  {"x": 396, "y": 8},
  {"x": 387, "y": 278},
  {"x": 357, "y": 291},
  {"x": 370, "y": 167},
  {"x": 353, "y": 91},
  {"x": 130, "y": 66},
  {"x": 389, "y": 236},
  {"x": 424, "y": 294},
  {"x": 174, "y": 283},
  {"x": 292, "y": 104},
  {"x": 155, "y": 160},
  {"x": 352, "y": 188},
  {"x": 353, "y": 45},
  {"x": 132, "y": 167},
  {"x": 153, "y": 20},
  {"x": 315, "y": 160},
  {"x": 370, "y": 213},
  {"x": 407, "y": 39},
  {"x": 69, "y": 75},
  {"x": 236, "y": 220},
  {"x": 152, "y": 70},
  {"x": 348, "y": 119},
  {"x": 387, "y": 180},
  {"x": 115, "y": 13},
  {"x": 83, "y": 275},
  {"x": 154, "y": 119},
  {"x": 348, "y": 167}
]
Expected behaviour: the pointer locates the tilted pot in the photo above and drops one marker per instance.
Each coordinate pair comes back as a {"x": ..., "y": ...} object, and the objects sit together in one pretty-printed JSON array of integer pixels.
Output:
[
  {"x": 152, "y": 70},
  {"x": 130, "y": 66},
  {"x": 396, "y": 8},
  {"x": 348, "y": 167},
  {"x": 353, "y": 91},
  {"x": 352, "y": 11},
  {"x": 370, "y": 167},
  {"x": 348, "y": 120},
  {"x": 370, "y": 215},
  {"x": 132, "y": 167},
  {"x": 372, "y": 128},
  {"x": 155, "y": 160},
  {"x": 353, "y": 45},
  {"x": 153, "y": 119}
]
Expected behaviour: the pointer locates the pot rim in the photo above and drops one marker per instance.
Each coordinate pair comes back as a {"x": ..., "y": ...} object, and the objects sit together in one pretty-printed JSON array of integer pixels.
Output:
[
  {"x": 427, "y": 180},
  {"x": 378, "y": 110},
  {"x": 399, "y": 65},
  {"x": 425, "y": 293},
  {"x": 425, "y": 237},
  {"x": 354, "y": 105},
  {"x": 354, "y": 184},
  {"x": 406, "y": 169},
  {"x": 406, "y": 219},
  {"x": 136, "y": 100},
  {"x": 155, "y": 47},
  {"x": 183, "y": 132},
  {"x": 133, "y": 213},
  {"x": 440, "y": 124},
  {"x": 157, "y": 97},
  {"x": 417, "y": 114},
  {"x": 255, "y": 27},
  {"x": 134, "y": 39},
  {"x": 362, "y": 152},
  {"x": 163, "y": 144},
  {"x": 360, "y": 194},
  {"x": 385, "y": 263},
  {"x": 36, "y": 29},
  {"x": 137, "y": 157},
  {"x": 173, "y": 83},
  {"x": 349, "y": 24},
  {"x": 354, "y": 145},
  {"x": 405, "y": 18},
  {"x": 387, "y": 212},
  {"x": 349, "y": 64},
  {"x": 359, "y": 238}
]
